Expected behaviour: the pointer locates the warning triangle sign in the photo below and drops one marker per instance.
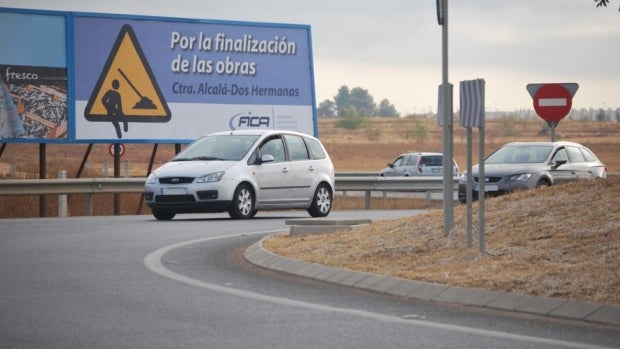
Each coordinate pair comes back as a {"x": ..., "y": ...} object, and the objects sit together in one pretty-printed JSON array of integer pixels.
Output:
[{"x": 127, "y": 90}]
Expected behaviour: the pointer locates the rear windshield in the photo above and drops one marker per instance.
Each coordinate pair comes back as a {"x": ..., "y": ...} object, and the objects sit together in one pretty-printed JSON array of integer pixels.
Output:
[{"x": 432, "y": 160}]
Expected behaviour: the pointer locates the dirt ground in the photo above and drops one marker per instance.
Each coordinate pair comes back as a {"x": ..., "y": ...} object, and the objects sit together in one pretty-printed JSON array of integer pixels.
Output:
[{"x": 561, "y": 241}]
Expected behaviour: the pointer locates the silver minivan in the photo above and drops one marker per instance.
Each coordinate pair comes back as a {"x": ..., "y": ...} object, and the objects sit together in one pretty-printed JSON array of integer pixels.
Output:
[
  {"x": 244, "y": 171},
  {"x": 417, "y": 164}
]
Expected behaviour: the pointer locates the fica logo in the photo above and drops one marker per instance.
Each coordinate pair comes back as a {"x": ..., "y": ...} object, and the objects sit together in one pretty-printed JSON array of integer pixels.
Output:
[{"x": 247, "y": 120}]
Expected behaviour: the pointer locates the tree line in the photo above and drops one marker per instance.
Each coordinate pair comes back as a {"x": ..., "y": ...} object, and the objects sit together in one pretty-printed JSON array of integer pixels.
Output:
[{"x": 355, "y": 102}]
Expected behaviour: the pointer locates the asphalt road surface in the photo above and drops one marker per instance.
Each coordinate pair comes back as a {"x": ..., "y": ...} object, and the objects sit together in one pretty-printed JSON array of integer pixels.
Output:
[{"x": 134, "y": 282}]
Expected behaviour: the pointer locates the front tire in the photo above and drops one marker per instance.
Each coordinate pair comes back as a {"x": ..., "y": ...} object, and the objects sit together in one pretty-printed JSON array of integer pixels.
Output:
[
  {"x": 163, "y": 215},
  {"x": 243, "y": 203},
  {"x": 322, "y": 201}
]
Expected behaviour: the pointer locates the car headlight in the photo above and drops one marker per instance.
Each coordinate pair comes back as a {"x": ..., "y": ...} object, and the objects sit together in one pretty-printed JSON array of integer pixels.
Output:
[
  {"x": 151, "y": 179},
  {"x": 522, "y": 177},
  {"x": 211, "y": 177},
  {"x": 463, "y": 177}
]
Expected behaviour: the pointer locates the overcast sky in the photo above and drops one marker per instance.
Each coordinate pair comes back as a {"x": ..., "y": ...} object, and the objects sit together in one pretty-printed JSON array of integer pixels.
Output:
[{"x": 393, "y": 48}]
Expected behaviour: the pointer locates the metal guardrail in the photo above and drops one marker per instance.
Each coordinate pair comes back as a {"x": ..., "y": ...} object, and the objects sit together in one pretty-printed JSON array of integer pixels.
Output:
[
  {"x": 368, "y": 184},
  {"x": 71, "y": 186},
  {"x": 136, "y": 185},
  {"x": 364, "y": 182},
  {"x": 361, "y": 182},
  {"x": 87, "y": 186}
]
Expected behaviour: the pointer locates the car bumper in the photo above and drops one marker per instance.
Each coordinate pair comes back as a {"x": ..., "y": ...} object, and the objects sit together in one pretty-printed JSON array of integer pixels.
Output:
[
  {"x": 188, "y": 199},
  {"x": 492, "y": 189}
]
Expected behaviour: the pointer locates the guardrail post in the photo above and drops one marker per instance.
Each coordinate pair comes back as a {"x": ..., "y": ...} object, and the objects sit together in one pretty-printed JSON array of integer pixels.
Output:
[
  {"x": 367, "y": 199},
  {"x": 89, "y": 204},
  {"x": 62, "y": 199}
]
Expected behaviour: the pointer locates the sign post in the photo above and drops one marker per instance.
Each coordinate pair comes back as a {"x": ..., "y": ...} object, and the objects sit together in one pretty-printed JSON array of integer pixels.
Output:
[
  {"x": 552, "y": 102},
  {"x": 472, "y": 114}
]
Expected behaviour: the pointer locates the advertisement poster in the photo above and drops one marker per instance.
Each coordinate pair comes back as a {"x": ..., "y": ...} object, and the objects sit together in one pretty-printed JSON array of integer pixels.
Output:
[{"x": 33, "y": 78}]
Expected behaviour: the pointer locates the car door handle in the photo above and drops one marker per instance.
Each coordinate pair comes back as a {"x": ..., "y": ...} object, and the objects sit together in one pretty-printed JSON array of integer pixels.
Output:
[
  {"x": 286, "y": 170},
  {"x": 311, "y": 168}
]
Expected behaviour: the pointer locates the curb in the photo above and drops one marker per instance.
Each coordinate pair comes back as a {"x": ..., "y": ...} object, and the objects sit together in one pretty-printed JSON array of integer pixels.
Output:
[{"x": 545, "y": 306}]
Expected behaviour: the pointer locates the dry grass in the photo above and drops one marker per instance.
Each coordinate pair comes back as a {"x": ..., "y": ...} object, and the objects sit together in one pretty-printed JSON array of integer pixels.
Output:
[{"x": 561, "y": 241}]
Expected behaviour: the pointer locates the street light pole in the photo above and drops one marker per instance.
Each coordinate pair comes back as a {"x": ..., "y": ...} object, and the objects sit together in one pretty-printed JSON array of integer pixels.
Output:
[{"x": 447, "y": 130}]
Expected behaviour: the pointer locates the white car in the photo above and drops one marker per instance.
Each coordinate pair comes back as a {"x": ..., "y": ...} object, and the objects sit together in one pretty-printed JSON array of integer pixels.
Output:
[
  {"x": 416, "y": 163},
  {"x": 242, "y": 172}
]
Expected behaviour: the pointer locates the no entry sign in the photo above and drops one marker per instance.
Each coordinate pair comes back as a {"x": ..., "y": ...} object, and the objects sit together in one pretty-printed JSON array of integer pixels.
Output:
[
  {"x": 552, "y": 102},
  {"x": 121, "y": 149}
]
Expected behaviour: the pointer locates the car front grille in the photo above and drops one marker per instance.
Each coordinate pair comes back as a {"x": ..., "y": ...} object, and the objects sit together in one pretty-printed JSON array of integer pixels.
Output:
[
  {"x": 176, "y": 180},
  {"x": 490, "y": 179},
  {"x": 174, "y": 198}
]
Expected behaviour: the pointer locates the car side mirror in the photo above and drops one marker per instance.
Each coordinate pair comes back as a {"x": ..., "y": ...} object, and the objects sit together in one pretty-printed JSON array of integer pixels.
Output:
[
  {"x": 390, "y": 165},
  {"x": 266, "y": 158},
  {"x": 558, "y": 163}
]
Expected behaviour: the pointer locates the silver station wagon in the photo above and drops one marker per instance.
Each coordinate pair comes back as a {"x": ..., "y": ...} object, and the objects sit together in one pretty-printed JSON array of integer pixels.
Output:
[
  {"x": 528, "y": 165},
  {"x": 242, "y": 172}
]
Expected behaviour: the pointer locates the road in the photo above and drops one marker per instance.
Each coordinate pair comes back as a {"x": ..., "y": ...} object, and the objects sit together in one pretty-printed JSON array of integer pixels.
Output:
[{"x": 133, "y": 282}]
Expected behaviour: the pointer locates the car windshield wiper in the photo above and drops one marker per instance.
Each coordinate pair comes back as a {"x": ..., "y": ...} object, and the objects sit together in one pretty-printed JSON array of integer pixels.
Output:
[{"x": 196, "y": 158}]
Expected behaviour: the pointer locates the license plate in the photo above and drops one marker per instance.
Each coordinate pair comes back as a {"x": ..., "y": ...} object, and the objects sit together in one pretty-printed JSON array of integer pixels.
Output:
[
  {"x": 487, "y": 187},
  {"x": 173, "y": 191},
  {"x": 437, "y": 170}
]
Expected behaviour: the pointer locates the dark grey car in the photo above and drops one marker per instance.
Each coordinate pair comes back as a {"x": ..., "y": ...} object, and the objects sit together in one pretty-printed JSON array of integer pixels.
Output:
[{"x": 527, "y": 165}]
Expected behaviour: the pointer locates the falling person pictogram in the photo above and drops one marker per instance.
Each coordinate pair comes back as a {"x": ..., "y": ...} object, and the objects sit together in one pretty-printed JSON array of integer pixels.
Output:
[{"x": 113, "y": 104}]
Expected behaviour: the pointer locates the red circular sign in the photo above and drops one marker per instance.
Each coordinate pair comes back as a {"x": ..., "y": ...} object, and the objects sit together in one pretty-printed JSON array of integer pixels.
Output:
[
  {"x": 552, "y": 102},
  {"x": 121, "y": 149}
]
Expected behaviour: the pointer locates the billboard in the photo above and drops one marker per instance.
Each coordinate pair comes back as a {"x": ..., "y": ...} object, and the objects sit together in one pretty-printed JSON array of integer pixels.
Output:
[{"x": 170, "y": 80}]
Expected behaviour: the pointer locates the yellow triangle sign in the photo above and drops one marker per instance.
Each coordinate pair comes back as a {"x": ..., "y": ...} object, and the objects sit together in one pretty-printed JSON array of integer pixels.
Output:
[{"x": 126, "y": 90}]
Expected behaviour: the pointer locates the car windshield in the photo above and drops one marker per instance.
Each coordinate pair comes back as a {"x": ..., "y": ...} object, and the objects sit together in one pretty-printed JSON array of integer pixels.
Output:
[
  {"x": 521, "y": 154},
  {"x": 220, "y": 147}
]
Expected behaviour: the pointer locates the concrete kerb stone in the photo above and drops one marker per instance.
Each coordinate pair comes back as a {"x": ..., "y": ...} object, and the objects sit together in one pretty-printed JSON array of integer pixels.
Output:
[
  {"x": 325, "y": 221},
  {"x": 609, "y": 314},
  {"x": 428, "y": 290},
  {"x": 354, "y": 278},
  {"x": 556, "y": 307},
  {"x": 325, "y": 274},
  {"x": 369, "y": 281},
  {"x": 575, "y": 310},
  {"x": 508, "y": 301},
  {"x": 322, "y": 226},
  {"x": 541, "y": 305},
  {"x": 312, "y": 270},
  {"x": 297, "y": 230},
  {"x": 480, "y": 297},
  {"x": 340, "y": 276},
  {"x": 386, "y": 284},
  {"x": 406, "y": 288},
  {"x": 453, "y": 294}
]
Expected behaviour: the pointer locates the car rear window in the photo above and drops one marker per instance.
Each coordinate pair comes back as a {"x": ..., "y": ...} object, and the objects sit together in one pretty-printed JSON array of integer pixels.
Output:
[
  {"x": 588, "y": 155},
  {"x": 316, "y": 151},
  {"x": 296, "y": 148},
  {"x": 432, "y": 160},
  {"x": 412, "y": 160},
  {"x": 575, "y": 154}
]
